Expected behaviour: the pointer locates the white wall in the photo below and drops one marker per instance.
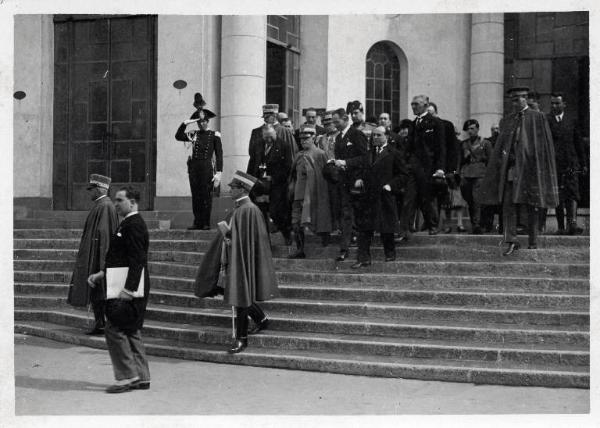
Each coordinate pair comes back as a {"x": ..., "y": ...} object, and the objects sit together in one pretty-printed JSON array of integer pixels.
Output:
[
  {"x": 313, "y": 61},
  {"x": 188, "y": 49},
  {"x": 437, "y": 48},
  {"x": 32, "y": 117}
]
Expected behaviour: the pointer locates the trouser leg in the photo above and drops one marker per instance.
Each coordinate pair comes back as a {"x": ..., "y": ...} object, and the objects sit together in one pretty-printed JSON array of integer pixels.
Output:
[
  {"x": 347, "y": 220},
  {"x": 409, "y": 206},
  {"x": 389, "y": 247},
  {"x": 196, "y": 199},
  {"x": 119, "y": 348},
  {"x": 99, "y": 308},
  {"x": 256, "y": 313},
  {"x": 571, "y": 212},
  {"x": 139, "y": 355},
  {"x": 364, "y": 246},
  {"x": 533, "y": 220},
  {"x": 241, "y": 323},
  {"x": 560, "y": 216},
  {"x": 509, "y": 215},
  {"x": 542, "y": 214}
]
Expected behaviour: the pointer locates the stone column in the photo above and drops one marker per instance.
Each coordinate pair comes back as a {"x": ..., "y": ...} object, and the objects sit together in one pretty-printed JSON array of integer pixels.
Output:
[
  {"x": 243, "y": 86},
  {"x": 487, "y": 69}
]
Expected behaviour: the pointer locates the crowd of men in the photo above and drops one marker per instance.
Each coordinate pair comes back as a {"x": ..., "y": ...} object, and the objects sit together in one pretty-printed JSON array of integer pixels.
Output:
[{"x": 348, "y": 175}]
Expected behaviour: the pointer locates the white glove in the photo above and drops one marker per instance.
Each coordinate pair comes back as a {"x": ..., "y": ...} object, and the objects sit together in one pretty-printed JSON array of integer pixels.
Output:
[
  {"x": 387, "y": 187},
  {"x": 217, "y": 179},
  {"x": 188, "y": 121},
  {"x": 340, "y": 163},
  {"x": 358, "y": 183},
  {"x": 439, "y": 173}
]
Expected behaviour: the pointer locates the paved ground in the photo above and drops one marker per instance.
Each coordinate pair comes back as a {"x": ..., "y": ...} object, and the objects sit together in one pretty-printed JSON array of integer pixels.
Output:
[{"x": 61, "y": 379}]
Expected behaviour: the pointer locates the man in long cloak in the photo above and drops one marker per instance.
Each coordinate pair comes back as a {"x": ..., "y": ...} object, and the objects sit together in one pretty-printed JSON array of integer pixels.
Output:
[
  {"x": 100, "y": 224},
  {"x": 244, "y": 251},
  {"x": 521, "y": 170},
  {"x": 309, "y": 192}
]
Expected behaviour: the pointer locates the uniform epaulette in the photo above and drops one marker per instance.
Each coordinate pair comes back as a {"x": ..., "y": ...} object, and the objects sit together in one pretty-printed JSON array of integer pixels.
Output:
[{"x": 218, "y": 134}]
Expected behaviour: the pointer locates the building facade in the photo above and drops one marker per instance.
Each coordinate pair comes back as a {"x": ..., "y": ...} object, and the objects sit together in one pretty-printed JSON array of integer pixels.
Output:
[{"x": 105, "y": 94}]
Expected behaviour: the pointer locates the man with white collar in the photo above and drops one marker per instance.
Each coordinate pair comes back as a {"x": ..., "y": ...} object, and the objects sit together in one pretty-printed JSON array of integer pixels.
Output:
[
  {"x": 427, "y": 159},
  {"x": 350, "y": 157},
  {"x": 521, "y": 170},
  {"x": 100, "y": 224},
  {"x": 125, "y": 313}
]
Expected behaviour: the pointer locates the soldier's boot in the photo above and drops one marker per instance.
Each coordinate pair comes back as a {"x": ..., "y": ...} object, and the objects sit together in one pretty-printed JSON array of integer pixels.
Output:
[
  {"x": 560, "y": 218},
  {"x": 241, "y": 331}
]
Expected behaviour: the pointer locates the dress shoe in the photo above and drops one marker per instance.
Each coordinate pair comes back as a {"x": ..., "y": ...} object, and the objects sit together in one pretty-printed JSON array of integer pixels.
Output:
[
  {"x": 342, "y": 256},
  {"x": 193, "y": 228},
  {"x": 390, "y": 259},
  {"x": 141, "y": 384},
  {"x": 477, "y": 230},
  {"x": 122, "y": 385},
  {"x": 448, "y": 230},
  {"x": 402, "y": 239},
  {"x": 358, "y": 265},
  {"x": 433, "y": 231},
  {"x": 297, "y": 255},
  {"x": 205, "y": 227},
  {"x": 238, "y": 346},
  {"x": 575, "y": 230},
  {"x": 532, "y": 247},
  {"x": 96, "y": 331},
  {"x": 260, "y": 326},
  {"x": 216, "y": 291},
  {"x": 560, "y": 232},
  {"x": 460, "y": 229},
  {"x": 512, "y": 247}
]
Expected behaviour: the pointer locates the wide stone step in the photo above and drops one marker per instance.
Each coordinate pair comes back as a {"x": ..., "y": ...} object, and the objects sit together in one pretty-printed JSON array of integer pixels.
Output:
[
  {"x": 61, "y": 223},
  {"x": 73, "y": 244},
  {"x": 443, "y": 331},
  {"x": 419, "y": 239},
  {"x": 565, "y": 270},
  {"x": 365, "y": 345},
  {"x": 503, "y": 372},
  {"x": 46, "y": 277}
]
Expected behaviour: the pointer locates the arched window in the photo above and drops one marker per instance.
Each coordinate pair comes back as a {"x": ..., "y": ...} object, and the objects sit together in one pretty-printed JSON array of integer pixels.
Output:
[{"x": 383, "y": 82}]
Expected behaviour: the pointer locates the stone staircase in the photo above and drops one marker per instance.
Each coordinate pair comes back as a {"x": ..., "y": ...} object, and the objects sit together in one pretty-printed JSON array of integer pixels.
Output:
[{"x": 450, "y": 308}]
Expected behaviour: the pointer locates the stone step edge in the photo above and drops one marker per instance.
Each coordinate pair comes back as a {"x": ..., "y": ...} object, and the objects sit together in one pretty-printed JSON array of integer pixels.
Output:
[
  {"x": 276, "y": 317},
  {"x": 339, "y": 365},
  {"x": 379, "y": 306},
  {"x": 346, "y": 338},
  {"x": 293, "y": 286}
]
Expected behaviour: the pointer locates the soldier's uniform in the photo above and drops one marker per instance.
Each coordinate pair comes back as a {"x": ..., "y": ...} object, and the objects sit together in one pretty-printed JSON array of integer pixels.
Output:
[{"x": 202, "y": 169}]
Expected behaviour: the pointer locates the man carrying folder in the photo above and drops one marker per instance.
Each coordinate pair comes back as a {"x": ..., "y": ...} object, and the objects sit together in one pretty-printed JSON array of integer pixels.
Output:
[{"x": 128, "y": 283}]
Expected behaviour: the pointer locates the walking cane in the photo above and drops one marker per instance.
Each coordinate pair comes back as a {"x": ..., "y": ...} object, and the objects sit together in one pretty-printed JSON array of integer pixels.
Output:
[{"x": 233, "y": 322}]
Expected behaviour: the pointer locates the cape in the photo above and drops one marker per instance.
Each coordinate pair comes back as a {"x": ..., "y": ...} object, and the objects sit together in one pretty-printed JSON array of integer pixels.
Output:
[
  {"x": 535, "y": 181},
  {"x": 308, "y": 166},
  {"x": 250, "y": 273},
  {"x": 100, "y": 224}
]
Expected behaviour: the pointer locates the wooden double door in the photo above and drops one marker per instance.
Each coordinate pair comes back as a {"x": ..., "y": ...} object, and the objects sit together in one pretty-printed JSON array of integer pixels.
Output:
[{"x": 104, "y": 106}]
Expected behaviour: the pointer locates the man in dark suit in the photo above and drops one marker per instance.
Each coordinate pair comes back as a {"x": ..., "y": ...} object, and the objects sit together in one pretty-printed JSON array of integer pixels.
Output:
[
  {"x": 427, "y": 151},
  {"x": 270, "y": 161},
  {"x": 385, "y": 121},
  {"x": 270, "y": 117},
  {"x": 383, "y": 178},
  {"x": 350, "y": 156},
  {"x": 125, "y": 314},
  {"x": 452, "y": 166},
  {"x": 570, "y": 162}
]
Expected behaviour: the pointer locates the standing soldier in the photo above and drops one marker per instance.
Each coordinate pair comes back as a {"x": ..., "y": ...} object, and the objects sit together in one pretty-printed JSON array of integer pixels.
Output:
[
  {"x": 326, "y": 142},
  {"x": 204, "y": 177},
  {"x": 521, "y": 170},
  {"x": 100, "y": 224},
  {"x": 309, "y": 192},
  {"x": 356, "y": 111},
  {"x": 250, "y": 274}
]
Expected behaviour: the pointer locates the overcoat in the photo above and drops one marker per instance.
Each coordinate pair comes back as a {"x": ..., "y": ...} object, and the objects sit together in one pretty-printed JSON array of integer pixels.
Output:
[
  {"x": 353, "y": 148},
  {"x": 378, "y": 207},
  {"x": 250, "y": 271},
  {"x": 427, "y": 145},
  {"x": 100, "y": 224},
  {"x": 535, "y": 181},
  {"x": 311, "y": 188}
]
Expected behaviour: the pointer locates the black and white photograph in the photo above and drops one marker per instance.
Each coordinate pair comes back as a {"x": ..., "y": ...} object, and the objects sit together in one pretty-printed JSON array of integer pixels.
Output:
[{"x": 348, "y": 211}]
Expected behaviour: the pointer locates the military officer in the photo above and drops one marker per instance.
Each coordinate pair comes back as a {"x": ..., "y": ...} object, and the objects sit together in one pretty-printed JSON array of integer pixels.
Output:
[{"x": 204, "y": 175}]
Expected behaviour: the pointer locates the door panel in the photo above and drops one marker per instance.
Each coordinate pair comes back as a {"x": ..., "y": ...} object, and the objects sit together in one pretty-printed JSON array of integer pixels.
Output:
[{"x": 109, "y": 67}]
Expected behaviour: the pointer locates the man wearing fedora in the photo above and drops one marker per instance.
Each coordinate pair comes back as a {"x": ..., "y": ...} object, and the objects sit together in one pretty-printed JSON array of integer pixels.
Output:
[
  {"x": 250, "y": 273},
  {"x": 100, "y": 224},
  {"x": 521, "y": 170},
  {"x": 204, "y": 173}
]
